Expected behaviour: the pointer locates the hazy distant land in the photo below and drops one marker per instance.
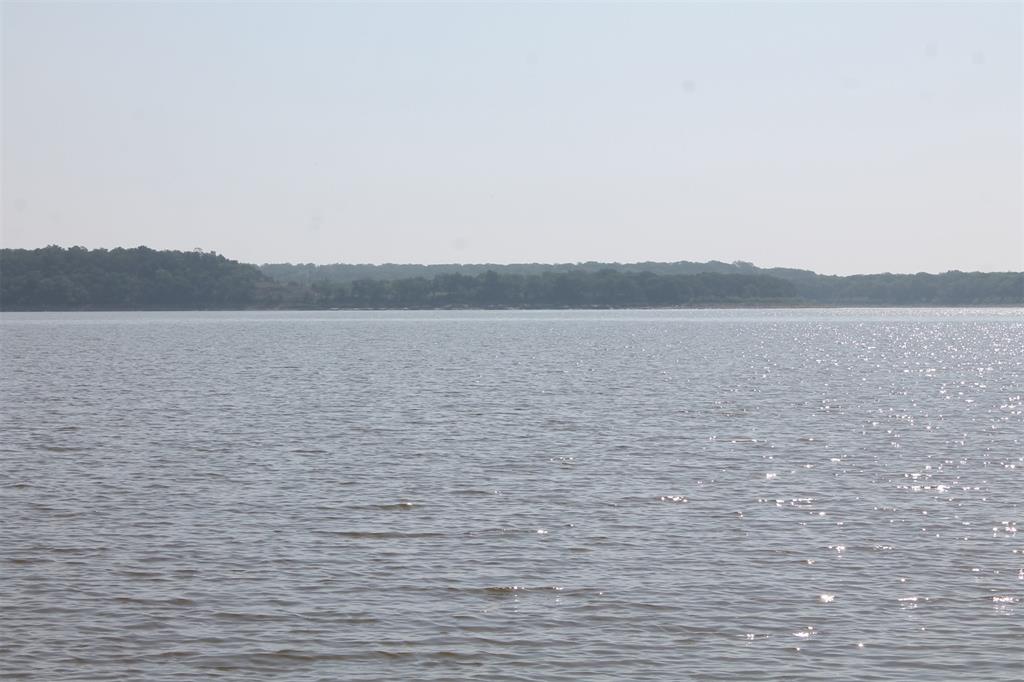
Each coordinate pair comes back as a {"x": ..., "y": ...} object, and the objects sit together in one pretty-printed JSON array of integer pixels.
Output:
[{"x": 56, "y": 278}]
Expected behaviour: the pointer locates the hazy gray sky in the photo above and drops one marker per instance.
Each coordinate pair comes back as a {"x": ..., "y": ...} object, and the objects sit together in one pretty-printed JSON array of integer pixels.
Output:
[{"x": 841, "y": 137}]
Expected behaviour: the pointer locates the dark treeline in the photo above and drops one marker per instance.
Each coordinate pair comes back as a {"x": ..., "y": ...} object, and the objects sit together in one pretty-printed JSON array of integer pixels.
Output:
[
  {"x": 56, "y": 278},
  {"x": 577, "y": 289},
  {"x": 948, "y": 289},
  {"x": 310, "y": 273},
  {"x": 923, "y": 289}
]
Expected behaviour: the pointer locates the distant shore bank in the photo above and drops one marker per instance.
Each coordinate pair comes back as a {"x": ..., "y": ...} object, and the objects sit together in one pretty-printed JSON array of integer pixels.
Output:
[{"x": 78, "y": 279}]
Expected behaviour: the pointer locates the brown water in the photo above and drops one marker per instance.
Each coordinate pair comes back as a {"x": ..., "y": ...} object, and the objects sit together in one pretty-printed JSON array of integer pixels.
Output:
[{"x": 772, "y": 495}]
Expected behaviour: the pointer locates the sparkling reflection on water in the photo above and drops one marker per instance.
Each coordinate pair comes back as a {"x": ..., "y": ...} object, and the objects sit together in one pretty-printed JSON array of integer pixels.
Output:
[{"x": 510, "y": 495}]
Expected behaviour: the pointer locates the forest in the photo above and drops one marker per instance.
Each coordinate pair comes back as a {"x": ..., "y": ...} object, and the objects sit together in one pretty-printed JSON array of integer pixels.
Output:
[
  {"x": 76, "y": 278},
  {"x": 55, "y": 278}
]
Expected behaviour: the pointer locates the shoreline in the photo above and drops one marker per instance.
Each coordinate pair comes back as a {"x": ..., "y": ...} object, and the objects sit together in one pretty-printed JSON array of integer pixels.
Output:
[{"x": 809, "y": 306}]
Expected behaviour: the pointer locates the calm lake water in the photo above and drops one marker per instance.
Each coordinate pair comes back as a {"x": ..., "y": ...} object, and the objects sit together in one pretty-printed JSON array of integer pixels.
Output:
[{"x": 601, "y": 495}]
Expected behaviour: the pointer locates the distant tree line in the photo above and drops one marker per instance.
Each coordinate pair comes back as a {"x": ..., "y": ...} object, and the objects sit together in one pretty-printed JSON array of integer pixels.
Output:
[
  {"x": 576, "y": 289},
  {"x": 56, "y": 278},
  {"x": 308, "y": 273},
  {"x": 139, "y": 278},
  {"x": 923, "y": 289}
]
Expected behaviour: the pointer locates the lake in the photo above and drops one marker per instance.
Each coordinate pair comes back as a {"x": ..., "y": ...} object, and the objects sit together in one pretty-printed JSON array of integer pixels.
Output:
[{"x": 510, "y": 495}]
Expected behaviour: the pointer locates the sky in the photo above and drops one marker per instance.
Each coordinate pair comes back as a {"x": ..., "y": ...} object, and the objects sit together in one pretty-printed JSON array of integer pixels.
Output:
[{"x": 838, "y": 137}]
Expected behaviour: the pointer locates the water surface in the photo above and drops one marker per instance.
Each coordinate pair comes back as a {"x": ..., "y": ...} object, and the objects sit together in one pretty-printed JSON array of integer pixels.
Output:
[{"x": 595, "y": 495}]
